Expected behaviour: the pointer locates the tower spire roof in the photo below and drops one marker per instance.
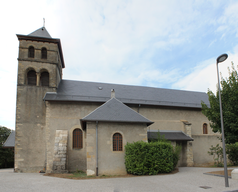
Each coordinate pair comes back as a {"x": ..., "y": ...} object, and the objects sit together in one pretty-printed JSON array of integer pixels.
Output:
[{"x": 41, "y": 32}]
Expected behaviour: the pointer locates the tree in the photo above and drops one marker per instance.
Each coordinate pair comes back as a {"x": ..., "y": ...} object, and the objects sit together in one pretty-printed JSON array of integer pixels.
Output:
[
  {"x": 229, "y": 97},
  {"x": 6, "y": 155}
]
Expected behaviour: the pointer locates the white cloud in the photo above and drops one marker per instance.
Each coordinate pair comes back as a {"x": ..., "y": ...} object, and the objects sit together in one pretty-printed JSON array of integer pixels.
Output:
[{"x": 204, "y": 75}]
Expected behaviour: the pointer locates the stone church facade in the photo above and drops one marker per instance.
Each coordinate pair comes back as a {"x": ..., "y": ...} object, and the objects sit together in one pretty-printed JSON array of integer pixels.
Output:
[{"x": 65, "y": 125}]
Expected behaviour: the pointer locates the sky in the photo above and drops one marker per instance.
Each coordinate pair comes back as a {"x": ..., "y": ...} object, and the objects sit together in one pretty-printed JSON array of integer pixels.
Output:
[{"x": 166, "y": 44}]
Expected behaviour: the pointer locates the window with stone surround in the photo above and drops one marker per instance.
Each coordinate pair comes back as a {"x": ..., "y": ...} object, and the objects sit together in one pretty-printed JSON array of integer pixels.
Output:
[
  {"x": 43, "y": 53},
  {"x": 31, "y": 77},
  {"x": 204, "y": 128},
  {"x": 117, "y": 142},
  {"x": 77, "y": 139},
  {"x": 31, "y": 52}
]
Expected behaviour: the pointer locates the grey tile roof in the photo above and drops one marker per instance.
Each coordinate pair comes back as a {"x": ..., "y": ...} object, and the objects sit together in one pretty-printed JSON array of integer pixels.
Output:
[
  {"x": 10, "y": 142},
  {"x": 69, "y": 90},
  {"x": 169, "y": 135},
  {"x": 115, "y": 111},
  {"x": 41, "y": 32}
]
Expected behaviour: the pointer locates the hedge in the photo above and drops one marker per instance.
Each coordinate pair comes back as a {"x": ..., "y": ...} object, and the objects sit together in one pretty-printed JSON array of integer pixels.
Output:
[{"x": 143, "y": 158}]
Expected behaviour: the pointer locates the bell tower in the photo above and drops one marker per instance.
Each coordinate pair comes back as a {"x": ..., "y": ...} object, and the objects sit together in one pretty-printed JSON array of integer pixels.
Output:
[{"x": 40, "y": 64}]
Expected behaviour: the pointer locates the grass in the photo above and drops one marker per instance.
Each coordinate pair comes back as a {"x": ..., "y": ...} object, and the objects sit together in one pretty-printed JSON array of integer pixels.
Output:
[{"x": 80, "y": 174}]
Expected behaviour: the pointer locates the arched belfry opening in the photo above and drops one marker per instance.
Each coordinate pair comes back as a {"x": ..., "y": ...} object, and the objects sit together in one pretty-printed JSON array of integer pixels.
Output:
[
  {"x": 31, "y": 77},
  {"x": 44, "y": 78}
]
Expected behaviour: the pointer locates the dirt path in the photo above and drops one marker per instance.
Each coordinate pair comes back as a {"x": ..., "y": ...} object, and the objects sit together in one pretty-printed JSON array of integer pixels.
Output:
[{"x": 221, "y": 173}]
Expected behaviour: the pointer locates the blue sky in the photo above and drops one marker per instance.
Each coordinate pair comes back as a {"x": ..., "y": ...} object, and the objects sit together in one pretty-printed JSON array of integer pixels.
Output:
[{"x": 168, "y": 44}]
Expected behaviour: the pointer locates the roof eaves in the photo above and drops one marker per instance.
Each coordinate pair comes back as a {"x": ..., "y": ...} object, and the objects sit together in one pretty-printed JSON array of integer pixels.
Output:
[
  {"x": 116, "y": 121},
  {"x": 59, "y": 97},
  {"x": 163, "y": 132}
]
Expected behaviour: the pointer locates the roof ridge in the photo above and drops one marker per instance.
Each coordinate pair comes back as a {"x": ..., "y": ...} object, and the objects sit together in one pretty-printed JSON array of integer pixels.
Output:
[{"x": 97, "y": 108}]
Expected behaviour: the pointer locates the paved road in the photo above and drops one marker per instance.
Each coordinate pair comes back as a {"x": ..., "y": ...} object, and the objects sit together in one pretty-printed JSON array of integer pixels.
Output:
[{"x": 188, "y": 179}]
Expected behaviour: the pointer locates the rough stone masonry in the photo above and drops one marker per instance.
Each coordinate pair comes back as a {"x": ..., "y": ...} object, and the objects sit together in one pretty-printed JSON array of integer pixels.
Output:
[{"x": 60, "y": 152}]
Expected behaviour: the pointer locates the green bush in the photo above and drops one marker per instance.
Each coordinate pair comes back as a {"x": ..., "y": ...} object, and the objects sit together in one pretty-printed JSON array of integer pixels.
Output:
[
  {"x": 143, "y": 158},
  {"x": 232, "y": 152},
  {"x": 176, "y": 153}
]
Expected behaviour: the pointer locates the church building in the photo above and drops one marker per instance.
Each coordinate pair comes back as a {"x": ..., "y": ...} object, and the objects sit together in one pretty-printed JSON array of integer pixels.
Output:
[{"x": 67, "y": 125}]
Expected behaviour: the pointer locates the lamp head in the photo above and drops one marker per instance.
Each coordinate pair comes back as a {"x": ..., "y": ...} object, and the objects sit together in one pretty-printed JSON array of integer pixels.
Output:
[{"x": 222, "y": 58}]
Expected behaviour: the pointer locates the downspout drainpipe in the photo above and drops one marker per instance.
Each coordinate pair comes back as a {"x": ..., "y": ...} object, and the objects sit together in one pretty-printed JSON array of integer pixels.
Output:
[{"x": 96, "y": 148}]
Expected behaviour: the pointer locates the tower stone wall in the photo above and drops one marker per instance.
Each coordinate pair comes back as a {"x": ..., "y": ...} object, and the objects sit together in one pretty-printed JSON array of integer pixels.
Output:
[{"x": 30, "y": 145}]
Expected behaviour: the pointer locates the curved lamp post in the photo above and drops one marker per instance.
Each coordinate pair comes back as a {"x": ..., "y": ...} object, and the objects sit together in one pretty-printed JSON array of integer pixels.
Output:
[{"x": 220, "y": 59}]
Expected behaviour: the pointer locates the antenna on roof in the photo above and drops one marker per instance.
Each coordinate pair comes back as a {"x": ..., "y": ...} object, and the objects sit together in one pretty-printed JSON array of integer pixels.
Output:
[{"x": 43, "y": 22}]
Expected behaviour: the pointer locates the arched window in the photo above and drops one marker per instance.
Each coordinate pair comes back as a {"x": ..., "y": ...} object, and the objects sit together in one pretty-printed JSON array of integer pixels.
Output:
[
  {"x": 204, "y": 128},
  {"x": 31, "y": 77},
  {"x": 117, "y": 142},
  {"x": 77, "y": 139},
  {"x": 43, "y": 53},
  {"x": 44, "y": 78},
  {"x": 31, "y": 52}
]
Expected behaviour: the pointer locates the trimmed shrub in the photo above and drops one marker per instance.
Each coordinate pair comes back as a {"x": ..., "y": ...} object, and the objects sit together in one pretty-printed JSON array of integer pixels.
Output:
[
  {"x": 232, "y": 152},
  {"x": 176, "y": 155},
  {"x": 143, "y": 158}
]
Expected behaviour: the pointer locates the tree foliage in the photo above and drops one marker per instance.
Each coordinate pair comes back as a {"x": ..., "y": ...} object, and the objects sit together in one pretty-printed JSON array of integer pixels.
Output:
[
  {"x": 6, "y": 155},
  {"x": 229, "y": 97},
  {"x": 232, "y": 152}
]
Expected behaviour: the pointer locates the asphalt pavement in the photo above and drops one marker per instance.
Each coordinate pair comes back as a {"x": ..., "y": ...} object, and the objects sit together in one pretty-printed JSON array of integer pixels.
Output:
[{"x": 189, "y": 179}]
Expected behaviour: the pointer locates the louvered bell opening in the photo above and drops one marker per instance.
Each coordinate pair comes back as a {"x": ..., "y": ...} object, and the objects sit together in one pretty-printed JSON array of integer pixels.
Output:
[
  {"x": 77, "y": 139},
  {"x": 44, "y": 79},
  {"x": 31, "y": 77},
  {"x": 117, "y": 142}
]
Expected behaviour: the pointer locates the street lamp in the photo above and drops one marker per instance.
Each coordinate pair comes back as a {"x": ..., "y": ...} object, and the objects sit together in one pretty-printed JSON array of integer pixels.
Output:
[{"x": 220, "y": 59}]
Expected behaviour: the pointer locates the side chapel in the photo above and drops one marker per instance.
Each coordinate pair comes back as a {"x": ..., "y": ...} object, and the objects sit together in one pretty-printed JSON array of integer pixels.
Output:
[{"x": 66, "y": 125}]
